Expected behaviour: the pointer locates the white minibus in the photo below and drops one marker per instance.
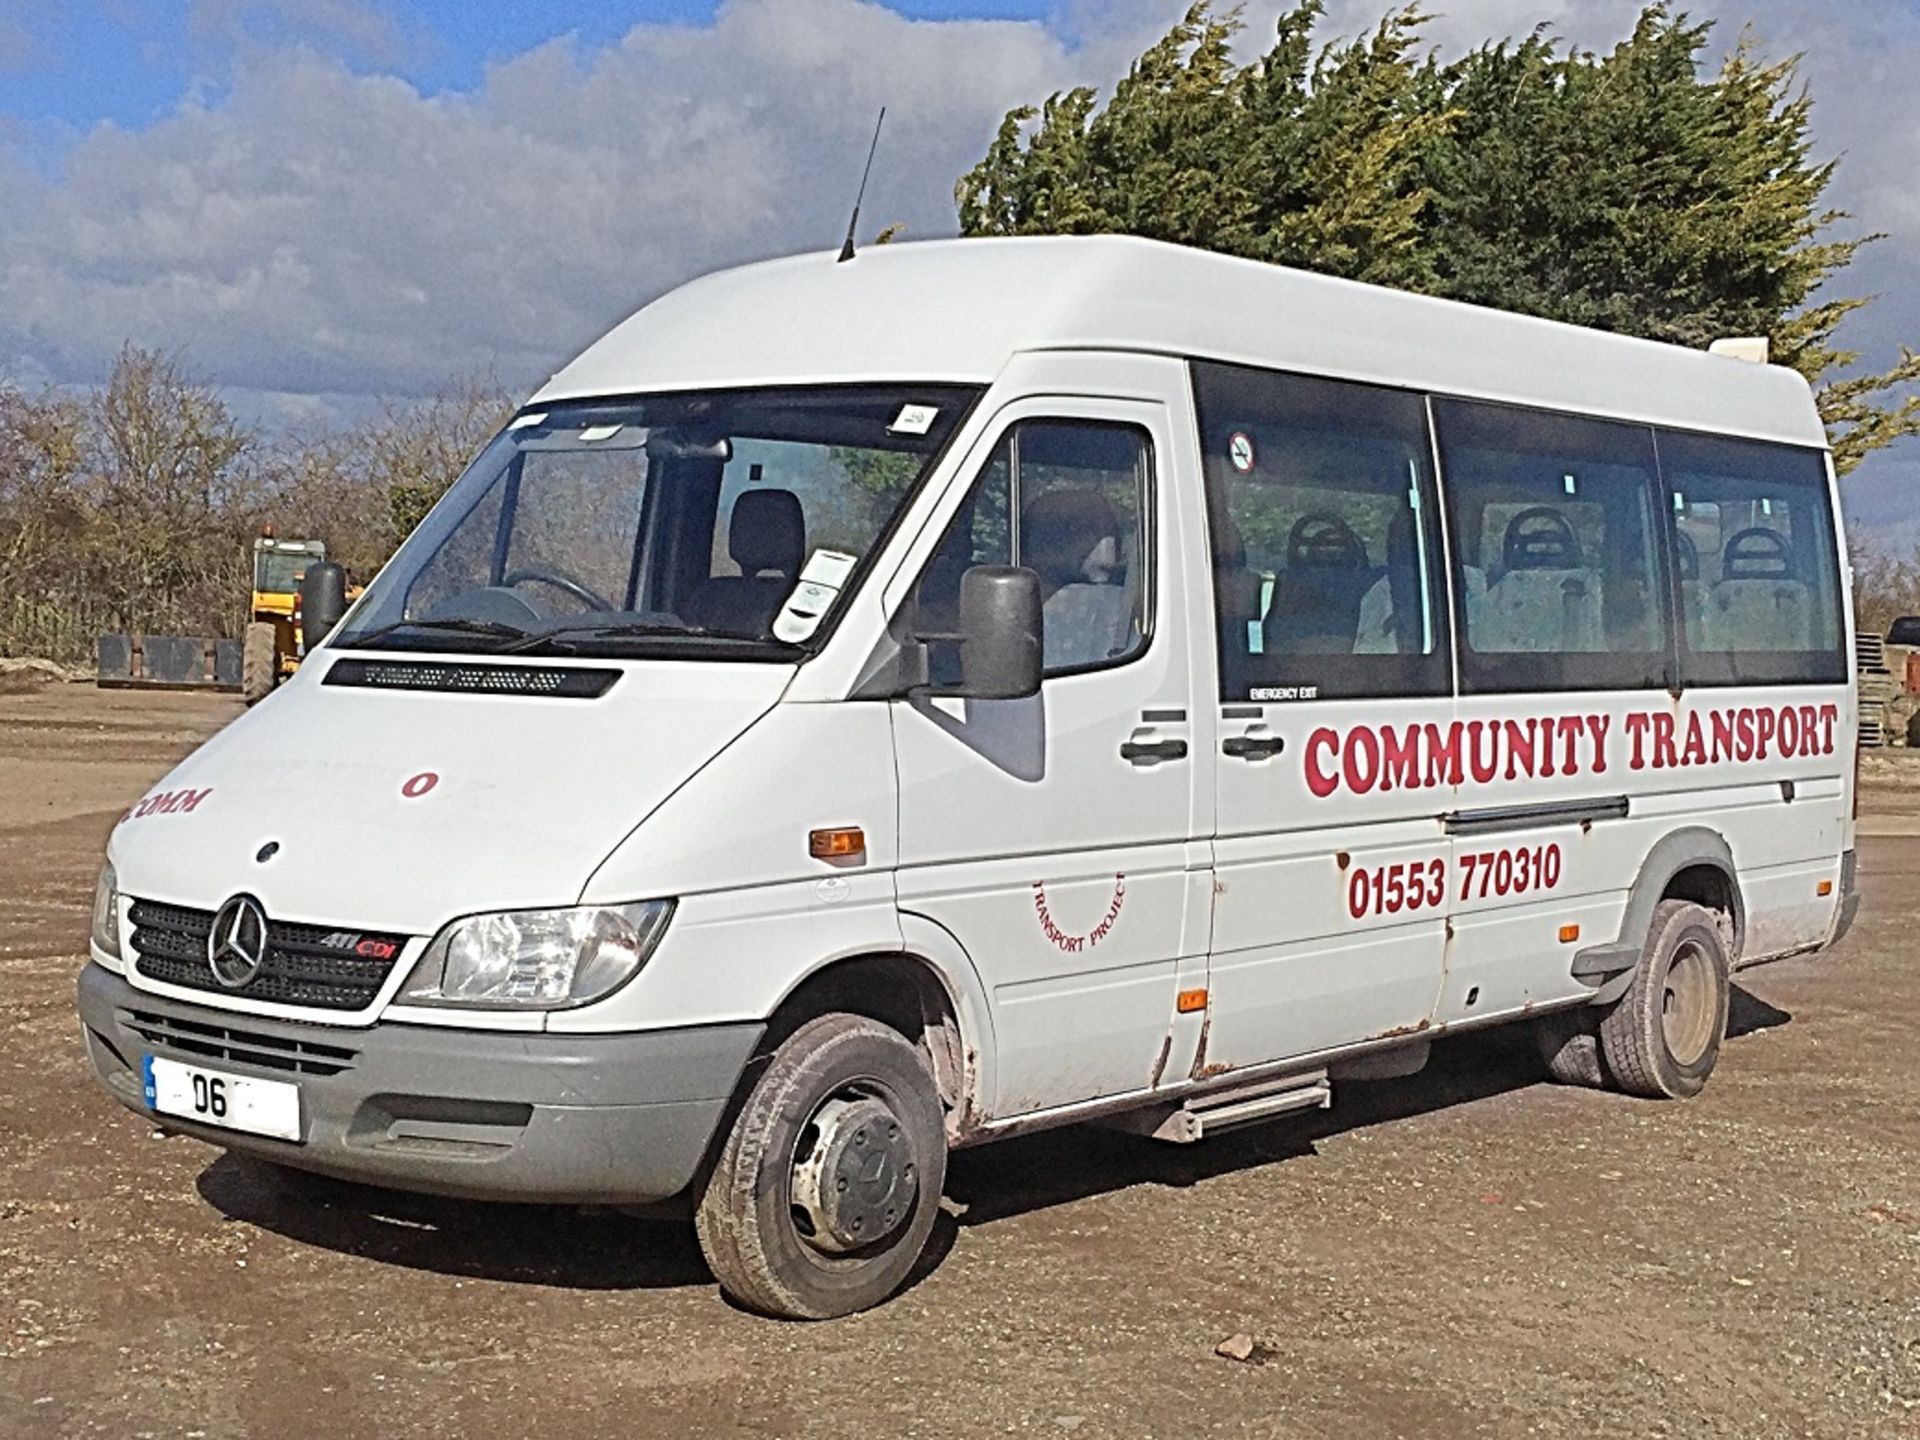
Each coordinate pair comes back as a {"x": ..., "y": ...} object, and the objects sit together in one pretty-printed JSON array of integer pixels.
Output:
[{"x": 858, "y": 710}]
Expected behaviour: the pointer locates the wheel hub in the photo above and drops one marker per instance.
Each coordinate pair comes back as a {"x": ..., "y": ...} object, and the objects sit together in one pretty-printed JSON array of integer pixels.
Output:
[{"x": 855, "y": 1185}]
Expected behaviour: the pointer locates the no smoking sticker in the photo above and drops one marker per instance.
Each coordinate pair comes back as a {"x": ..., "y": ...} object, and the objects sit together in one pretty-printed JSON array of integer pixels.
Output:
[{"x": 1240, "y": 451}]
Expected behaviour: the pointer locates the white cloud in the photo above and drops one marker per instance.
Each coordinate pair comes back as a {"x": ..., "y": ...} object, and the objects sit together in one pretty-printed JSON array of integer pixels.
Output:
[{"x": 314, "y": 231}]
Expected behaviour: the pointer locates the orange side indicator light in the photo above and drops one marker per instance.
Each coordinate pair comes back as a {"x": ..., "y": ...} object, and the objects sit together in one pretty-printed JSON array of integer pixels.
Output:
[
  {"x": 1826, "y": 887},
  {"x": 1189, "y": 1001},
  {"x": 1569, "y": 934},
  {"x": 845, "y": 842}
]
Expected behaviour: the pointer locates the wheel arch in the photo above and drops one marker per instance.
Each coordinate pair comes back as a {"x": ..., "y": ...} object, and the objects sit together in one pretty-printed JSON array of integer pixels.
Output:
[
  {"x": 1692, "y": 863},
  {"x": 928, "y": 990}
]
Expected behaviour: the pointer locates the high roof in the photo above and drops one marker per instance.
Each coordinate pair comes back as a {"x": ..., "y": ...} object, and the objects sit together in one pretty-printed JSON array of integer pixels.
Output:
[{"x": 958, "y": 310}]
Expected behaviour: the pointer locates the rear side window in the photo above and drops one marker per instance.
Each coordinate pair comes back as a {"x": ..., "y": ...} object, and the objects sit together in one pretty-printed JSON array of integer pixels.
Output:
[
  {"x": 1325, "y": 548},
  {"x": 1558, "y": 576},
  {"x": 1759, "y": 571}
]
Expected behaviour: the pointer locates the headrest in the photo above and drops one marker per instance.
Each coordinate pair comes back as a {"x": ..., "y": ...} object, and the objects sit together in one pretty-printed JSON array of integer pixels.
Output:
[
  {"x": 1060, "y": 532},
  {"x": 768, "y": 532}
]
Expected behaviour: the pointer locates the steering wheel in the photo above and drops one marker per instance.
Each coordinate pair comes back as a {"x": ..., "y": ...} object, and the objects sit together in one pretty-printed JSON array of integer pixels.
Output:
[
  {"x": 1540, "y": 538},
  {"x": 559, "y": 581},
  {"x": 1756, "y": 553},
  {"x": 1323, "y": 541}
]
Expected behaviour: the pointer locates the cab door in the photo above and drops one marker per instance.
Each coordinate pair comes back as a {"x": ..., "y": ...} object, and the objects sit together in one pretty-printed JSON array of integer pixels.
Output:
[
  {"x": 1056, "y": 837},
  {"x": 1335, "y": 705}
]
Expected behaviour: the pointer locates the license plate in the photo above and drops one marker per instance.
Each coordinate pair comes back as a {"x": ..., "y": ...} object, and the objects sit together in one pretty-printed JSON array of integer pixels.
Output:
[{"x": 213, "y": 1097}]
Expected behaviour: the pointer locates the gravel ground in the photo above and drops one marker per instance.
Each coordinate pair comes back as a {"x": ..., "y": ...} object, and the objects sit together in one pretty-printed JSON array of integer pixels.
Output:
[{"x": 1468, "y": 1252}]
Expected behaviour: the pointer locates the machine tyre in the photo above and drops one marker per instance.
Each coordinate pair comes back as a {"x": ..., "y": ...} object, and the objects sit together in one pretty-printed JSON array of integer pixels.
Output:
[
  {"x": 1662, "y": 1038},
  {"x": 1569, "y": 1042},
  {"x": 259, "y": 663},
  {"x": 841, "y": 1136}
]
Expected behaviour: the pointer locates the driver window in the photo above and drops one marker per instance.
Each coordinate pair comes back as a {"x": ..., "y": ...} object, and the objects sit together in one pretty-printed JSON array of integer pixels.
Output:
[
  {"x": 1081, "y": 490},
  {"x": 1555, "y": 552}
]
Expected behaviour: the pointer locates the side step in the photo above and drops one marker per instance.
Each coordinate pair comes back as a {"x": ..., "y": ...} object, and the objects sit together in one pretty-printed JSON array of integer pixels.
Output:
[{"x": 1219, "y": 1110}]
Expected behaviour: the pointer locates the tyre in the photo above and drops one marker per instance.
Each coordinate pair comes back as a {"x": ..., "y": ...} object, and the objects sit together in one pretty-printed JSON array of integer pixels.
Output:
[
  {"x": 259, "y": 663},
  {"x": 1662, "y": 1037},
  {"x": 1569, "y": 1042},
  {"x": 828, "y": 1185}
]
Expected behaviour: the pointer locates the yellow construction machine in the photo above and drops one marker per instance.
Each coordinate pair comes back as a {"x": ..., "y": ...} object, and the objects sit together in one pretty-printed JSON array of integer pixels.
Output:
[{"x": 271, "y": 647}]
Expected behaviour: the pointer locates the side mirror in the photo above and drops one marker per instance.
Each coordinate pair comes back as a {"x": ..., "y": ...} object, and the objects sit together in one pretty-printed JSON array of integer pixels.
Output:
[
  {"x": 323, "y": 600},
  {"x": 1904, "y": 631},
  {"x": 1000, "y": 633}
]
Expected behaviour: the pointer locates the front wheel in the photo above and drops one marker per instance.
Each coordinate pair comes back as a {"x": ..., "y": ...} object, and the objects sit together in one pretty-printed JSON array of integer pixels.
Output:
[
  {"x": 259, "y": 662},
  {"x": 828, "y": 1184}
]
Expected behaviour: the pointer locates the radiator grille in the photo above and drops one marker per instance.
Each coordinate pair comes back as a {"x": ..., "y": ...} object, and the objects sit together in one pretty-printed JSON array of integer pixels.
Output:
[{"x": 328, "y": 969}]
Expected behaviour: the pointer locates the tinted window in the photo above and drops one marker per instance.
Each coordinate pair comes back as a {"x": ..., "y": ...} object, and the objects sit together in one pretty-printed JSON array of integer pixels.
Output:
[
  {"x": 1759, "y": 574},
  {"x": 1325, "y": 555},
  {"x": 1557, "y": 570},
  {"x": 1083, "y": 493}
]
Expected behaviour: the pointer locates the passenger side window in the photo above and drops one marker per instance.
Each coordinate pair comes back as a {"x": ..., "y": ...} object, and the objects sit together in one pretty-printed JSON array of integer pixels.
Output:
[
  {"x": 1759, "y": 572},
  {"x": 1320, "y": 508},
  {"x": 1557, "y": 570},
  {"x": 1082, "y": 492}
]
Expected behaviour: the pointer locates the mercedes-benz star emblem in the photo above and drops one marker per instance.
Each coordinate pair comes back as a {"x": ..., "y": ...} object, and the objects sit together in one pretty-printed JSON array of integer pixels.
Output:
[{"x": 237, "y": 944}]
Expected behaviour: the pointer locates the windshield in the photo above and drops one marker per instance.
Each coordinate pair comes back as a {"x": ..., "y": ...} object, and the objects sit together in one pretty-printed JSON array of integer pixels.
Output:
[
  {"x": 728, "y": 524},
  {"x": 278, "y": 572}
]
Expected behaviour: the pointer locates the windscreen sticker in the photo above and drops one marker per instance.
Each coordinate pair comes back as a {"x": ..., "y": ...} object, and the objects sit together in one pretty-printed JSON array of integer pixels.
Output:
[
  {"x": 592, "y": 433},
  {"x": 820, "y": 582},
  {"x": 525, "y": 420},
  {"x": 1240, "y": 451},
  {"x": 914, "y": 420}
]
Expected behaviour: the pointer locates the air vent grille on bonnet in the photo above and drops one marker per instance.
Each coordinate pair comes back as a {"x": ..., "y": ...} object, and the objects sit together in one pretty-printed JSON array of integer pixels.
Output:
[{"x": 563, "y": 682}]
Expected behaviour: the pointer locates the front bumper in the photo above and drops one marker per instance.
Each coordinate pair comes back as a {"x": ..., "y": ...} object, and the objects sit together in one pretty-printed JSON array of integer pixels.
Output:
[{"x": 481, "y": 1114}]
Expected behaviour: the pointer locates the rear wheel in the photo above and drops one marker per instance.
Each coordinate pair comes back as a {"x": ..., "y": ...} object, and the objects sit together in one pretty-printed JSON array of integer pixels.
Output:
[
  {"x": 259, "y": 662},
  {"x": 828, "y": 1184},
  {"x": 1663, "y": 1036}
]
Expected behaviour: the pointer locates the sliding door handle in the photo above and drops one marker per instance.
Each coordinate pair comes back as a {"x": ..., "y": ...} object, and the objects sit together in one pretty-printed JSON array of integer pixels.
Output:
[
  {"x": 1253, "y": 747},
  {"x": 1139, "y": 750}
]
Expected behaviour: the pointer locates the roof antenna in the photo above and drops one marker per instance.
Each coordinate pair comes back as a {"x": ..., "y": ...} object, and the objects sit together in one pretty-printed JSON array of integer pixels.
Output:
[{"x": 846, "y": 250}]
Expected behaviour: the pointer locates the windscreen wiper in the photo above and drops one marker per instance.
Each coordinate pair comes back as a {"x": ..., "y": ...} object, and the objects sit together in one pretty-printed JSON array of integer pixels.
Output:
[
  {"x": 451, "y": 624},
  {"x": 566, "y": 635}
]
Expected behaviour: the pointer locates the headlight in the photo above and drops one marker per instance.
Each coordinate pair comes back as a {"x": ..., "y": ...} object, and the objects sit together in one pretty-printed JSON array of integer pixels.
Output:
[
  {"x": 106, "y": 912},
  {"x": 537, "y": 959}
]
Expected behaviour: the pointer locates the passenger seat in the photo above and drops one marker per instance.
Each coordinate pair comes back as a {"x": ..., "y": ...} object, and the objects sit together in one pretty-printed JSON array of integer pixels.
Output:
[
  {"x": 1071, "y": 539},
  {"x": 767, "y": 539}
]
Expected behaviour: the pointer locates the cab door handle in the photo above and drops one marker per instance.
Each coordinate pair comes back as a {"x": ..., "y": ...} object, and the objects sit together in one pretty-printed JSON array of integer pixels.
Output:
[
  {"x": 1139, "y": 750},
  {"x": 1253, "y": 747}
]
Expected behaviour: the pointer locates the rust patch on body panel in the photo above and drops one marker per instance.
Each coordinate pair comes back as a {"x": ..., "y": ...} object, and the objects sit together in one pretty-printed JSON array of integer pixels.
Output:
[{"x": 1160, "y": 1065}]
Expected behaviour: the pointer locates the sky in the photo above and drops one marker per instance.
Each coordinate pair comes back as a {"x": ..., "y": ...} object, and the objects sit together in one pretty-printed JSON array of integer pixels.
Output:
[{"x": 324, "y": 205}]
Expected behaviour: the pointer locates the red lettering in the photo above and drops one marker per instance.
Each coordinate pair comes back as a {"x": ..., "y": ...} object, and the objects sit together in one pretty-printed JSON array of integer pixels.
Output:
[
  {"x": 1722, "y": 735},
  {"x": 1789, "y": 732},
  {"x": 1665, "y": 757},
  {"x": 1443, "y": 756},
  {"x": 1766, "y": 723},
  {"x": 1484, "y": 767},
  {"x": 1518, "y": 759},
  {"x": 1829, "y": 714},
  {"x": 1571, "y": 728},
  {"x": 1637, "y": 724},
  {"x": 1400, "y": 758},
  {"x": 1743, "y": 735},
  {"x": 1362, "y": 746},
  {"x": 1809, "y": 718},
  {"x": 1695, "y": 751},
  {"x": 1320, "y": 781}
]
